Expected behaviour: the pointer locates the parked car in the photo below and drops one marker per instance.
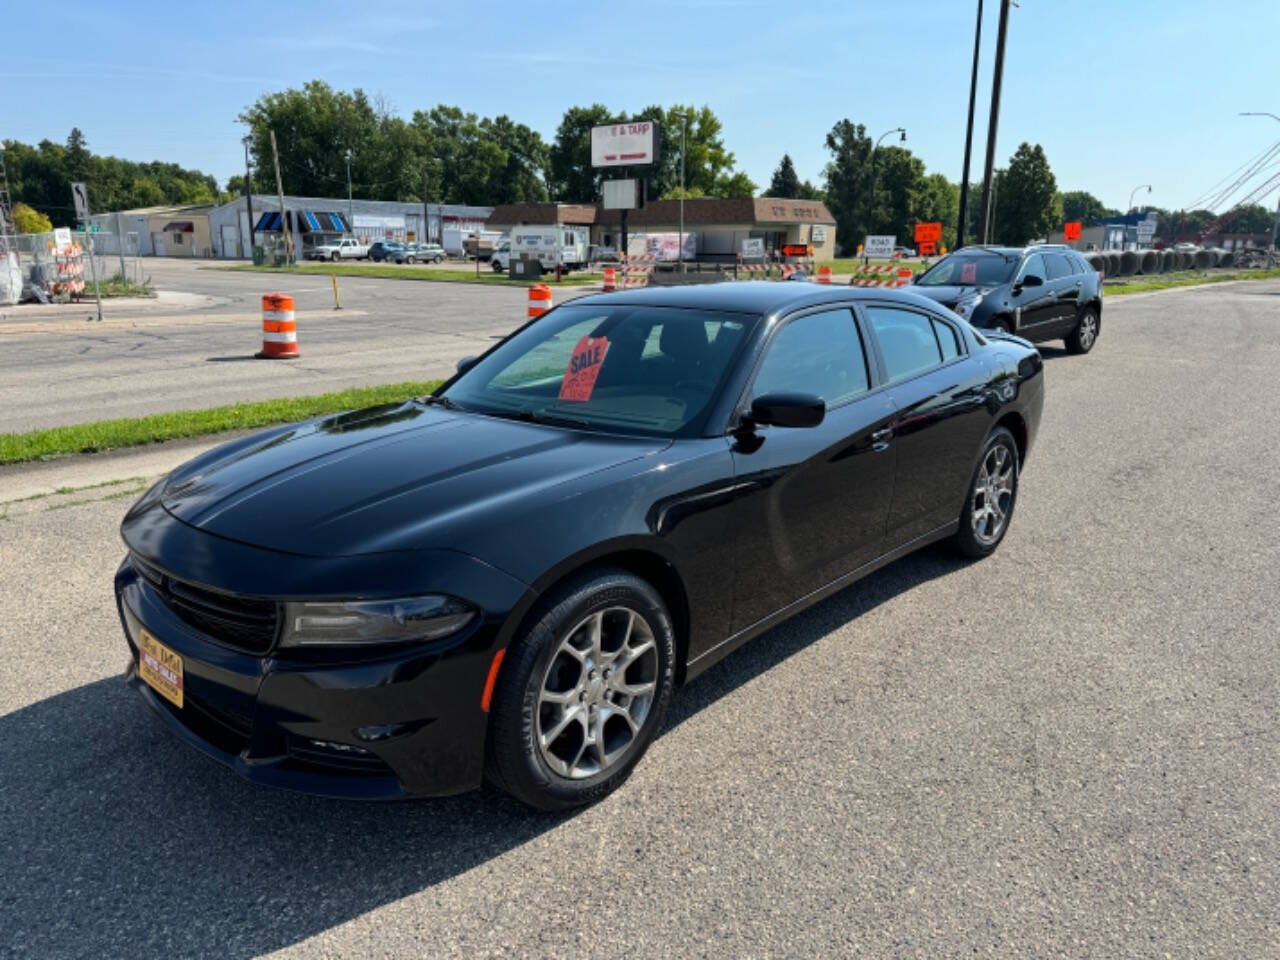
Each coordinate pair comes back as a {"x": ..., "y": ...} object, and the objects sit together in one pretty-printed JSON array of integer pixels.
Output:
[
  {"x": 500, "y": 260},
  {"x": 904, "y": 251},
  {"x": 348, "y": 248},
  {"x": 506, "y": 580},
  {"x": 384, "y": 250},
  {"x": 605, "y": 253},
  {"x": 425, "y": 253},
  {"x": 1044, "y": 292}
]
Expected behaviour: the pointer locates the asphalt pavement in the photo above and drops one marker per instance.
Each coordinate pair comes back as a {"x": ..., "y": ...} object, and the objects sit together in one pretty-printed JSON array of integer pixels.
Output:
[
  {"x": 1071, "y": 749},
  {"x": 193, "y": 347}
]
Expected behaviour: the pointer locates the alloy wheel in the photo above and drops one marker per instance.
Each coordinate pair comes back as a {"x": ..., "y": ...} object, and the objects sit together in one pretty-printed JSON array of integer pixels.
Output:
[
  {"x": 1088, "y": 330},
  {"x": 992, "y": 495},
  {"x": 597, "y": 691}
]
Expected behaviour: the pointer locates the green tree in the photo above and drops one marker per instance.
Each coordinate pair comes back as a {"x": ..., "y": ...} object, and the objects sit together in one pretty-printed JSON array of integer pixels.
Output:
[
  {"x": 1084, "y": 206},
  {"x": 736, "y": 184},
  {"x": 572, "y": 178},
  {"x": 1253, "y": 218},
  {"x": 938, "y": 200},
  {"x": 847, "y": 178},
  {"x": 785, "y": 182},
  {"x": 808, "y": 191},
  {"x": 899, "y": 191},
  {"x": 1027, "y": 201},
  {"x": 28, "y": 220},
  {"x": 521, "y": 178}
]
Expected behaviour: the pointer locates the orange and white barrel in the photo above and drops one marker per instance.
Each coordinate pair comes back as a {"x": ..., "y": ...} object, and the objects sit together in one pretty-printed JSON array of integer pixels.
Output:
[
  {"x": 539, "y": 300},
  {"x": 610, "y": 279},
  {"x": 824, "y": 274},
  {"x": 279, "y": 329}
]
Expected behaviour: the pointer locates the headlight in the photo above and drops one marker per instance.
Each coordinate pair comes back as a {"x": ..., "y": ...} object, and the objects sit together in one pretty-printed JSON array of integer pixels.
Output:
[
  {"x": 966, "y": 305},
  {"x": 342, "y": 623}
]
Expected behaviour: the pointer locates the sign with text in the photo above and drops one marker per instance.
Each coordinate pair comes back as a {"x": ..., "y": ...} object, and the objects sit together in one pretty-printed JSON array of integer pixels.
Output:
[
  {"x": 929, "y": 232},
  {"x": 62, "y": 238},
  {"x": 753, "y": 248},
  {"x": 928, "y": 248},
  {"x": 584, "y": 366},
  {"x": 1071, "y": 231},
  {"x": 1147, "y": 228},
  {"x": 879, "y": 246},
  {"x": 625, "y": 144}
]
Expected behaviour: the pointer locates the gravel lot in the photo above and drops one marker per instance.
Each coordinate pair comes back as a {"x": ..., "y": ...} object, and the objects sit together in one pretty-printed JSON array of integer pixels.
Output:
[{"x": 1070, "y": 749}]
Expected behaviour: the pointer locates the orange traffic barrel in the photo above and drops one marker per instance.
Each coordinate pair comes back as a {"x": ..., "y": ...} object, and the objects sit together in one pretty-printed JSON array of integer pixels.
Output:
[
  {"x": 824, "y": 274},
  {"x": 610, "y": 279},
  {"x": 279, "y": 330},
  {"x": 539, "y": 300}
]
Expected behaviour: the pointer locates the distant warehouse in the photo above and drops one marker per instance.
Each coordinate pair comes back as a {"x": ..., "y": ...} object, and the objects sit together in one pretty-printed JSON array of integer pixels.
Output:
[{"x": 718, "y": 226}]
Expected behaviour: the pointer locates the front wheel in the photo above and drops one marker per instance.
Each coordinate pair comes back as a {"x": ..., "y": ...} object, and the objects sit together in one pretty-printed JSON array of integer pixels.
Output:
[
  {"x": 333, "y": 257},
  {"x": 993, "y": 491},
  {"x": 497, "y": 267},
  {"x": 1085, "y": 335},
  {"x": 582, "y": 694}
]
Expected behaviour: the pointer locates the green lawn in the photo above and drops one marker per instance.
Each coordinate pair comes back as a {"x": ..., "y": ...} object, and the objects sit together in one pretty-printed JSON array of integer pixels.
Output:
[
  {"x": 134, "y": 431},
  {"x": 1119, "y": 286},
  {"x": 390, "y": 271},
  {"x": 851, "y": 264}
]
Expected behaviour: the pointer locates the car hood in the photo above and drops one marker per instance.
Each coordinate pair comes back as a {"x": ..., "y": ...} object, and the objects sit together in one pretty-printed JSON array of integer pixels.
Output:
[
  {"x": 388, "y": 478},
  {"x": 949, "y": 296}
]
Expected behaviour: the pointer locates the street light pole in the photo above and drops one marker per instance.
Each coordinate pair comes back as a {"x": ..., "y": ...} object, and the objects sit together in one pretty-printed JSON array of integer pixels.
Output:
[
  {"x": 968, "y": 134},
  {"x": 350, "y": 218},
  {"x": 1275, "y": 226},
  {"x": 248, "y": 195},
  {"x": 1135, "y": 190},
  {"x": 997, "y": 78},
  {"x": 871, "y": 188}
]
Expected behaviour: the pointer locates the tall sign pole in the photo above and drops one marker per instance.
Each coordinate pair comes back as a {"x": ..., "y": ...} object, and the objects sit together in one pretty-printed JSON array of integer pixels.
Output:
[
  {"x": 968, "y": 134},
  {"x": 248, "y": 196},
  {"x": 80, "y": 200},
  {"x": 994, "y": 122}
]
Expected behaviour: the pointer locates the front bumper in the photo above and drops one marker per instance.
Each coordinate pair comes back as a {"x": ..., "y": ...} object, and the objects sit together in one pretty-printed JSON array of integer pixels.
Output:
[{"x": 369, "y": 724}]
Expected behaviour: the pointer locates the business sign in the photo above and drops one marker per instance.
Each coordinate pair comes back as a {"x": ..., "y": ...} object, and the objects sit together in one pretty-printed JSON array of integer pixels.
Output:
[
  {"x": 377, "y": 223},
  {"x": 1147, "y": 229},
  {"x": 879, "y": 246},
  {"x": 929, "y": 232},
  {"x": 621, "y": 194},
  {"x": 753, "y": 248},
  {"x": 80, "y": 197},
  {"x": 625, "y": 144},
  {"x": 818, "y": 233},
  {"x": 1071, "y": 231},
  {"x": 666, "y": 246}
]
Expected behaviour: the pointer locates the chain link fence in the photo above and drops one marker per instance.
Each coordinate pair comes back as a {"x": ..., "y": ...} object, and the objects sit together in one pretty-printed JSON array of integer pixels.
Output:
[{"x": 36, "y": 267}]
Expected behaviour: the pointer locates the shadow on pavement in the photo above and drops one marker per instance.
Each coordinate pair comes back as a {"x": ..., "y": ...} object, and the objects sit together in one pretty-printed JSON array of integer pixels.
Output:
[{"x": 118, "y": 840}]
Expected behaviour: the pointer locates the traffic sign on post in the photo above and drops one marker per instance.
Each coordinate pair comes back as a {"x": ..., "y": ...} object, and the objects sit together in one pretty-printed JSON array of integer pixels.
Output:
[
  {"x": 929, "y": 233},
  {"x": 879, "y": 246},
  {"x": 1071, "y": 231}
]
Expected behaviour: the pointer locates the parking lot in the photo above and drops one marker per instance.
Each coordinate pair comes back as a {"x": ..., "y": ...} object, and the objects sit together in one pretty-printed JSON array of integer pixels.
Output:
[{"x": 1069, "y": 749}]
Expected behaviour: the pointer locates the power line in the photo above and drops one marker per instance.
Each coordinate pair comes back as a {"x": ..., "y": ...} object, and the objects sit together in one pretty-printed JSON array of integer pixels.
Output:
[{"x": 1208, "y": 193}]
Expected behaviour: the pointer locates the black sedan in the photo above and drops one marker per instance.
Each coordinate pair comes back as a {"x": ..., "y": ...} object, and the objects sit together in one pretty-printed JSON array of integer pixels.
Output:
[{"x": 507, "y": 580}]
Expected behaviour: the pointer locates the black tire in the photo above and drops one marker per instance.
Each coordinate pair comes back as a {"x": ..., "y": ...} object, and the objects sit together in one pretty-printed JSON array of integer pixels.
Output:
[
  {"x": 497, "y": 267},
  {"x": 1002, "y": 324},
  {"x": 977, "y": 539},
  {"x": 333, "y": 257},
  {"x": 1085, "y": 335},
  {"x": 514, "y": 760}
]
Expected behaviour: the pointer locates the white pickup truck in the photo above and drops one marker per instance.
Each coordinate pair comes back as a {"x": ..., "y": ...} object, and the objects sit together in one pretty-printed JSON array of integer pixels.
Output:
[{"x": 346, "y": 249}]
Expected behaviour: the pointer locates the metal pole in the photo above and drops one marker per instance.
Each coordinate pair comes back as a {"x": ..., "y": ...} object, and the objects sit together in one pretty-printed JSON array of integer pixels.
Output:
[
  {"x": 680, "y": 254},
  {"x": 1275, "y": 227},
  {"x": 1132, "y": 192},
  {"x": 93, "y": 268},
  {"x": 284, "y": 219},
  {"x": 120, "y": 246},
  {"x": 350, "y": 216},
  {"x": 994, "y": 122},
  {"x": 968, "y": 134},
  {"x": 248, "y": 195},
  {"x": 871, "y": 190}
]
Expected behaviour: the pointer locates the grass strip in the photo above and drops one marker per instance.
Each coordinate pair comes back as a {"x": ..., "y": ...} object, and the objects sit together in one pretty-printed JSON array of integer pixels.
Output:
[
  {"x": 393, "y": 272},
  {"x": 135, "y": 431},
  {"x": 1118, "y": 288}
]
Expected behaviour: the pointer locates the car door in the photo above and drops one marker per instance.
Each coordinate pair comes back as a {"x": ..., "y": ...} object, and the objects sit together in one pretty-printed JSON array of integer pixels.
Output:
[
  {"x": 940, "y": 416},
  {"x": 1035, "y": 305},
  {"x": 1065, "y": 284},
  {"x": 813, "y": 500}
]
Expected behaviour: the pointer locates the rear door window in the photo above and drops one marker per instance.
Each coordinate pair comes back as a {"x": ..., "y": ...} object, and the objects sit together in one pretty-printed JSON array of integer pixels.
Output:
[
  {"x": 907, "y": 341},
  {"x": 1057, "y": 266}
]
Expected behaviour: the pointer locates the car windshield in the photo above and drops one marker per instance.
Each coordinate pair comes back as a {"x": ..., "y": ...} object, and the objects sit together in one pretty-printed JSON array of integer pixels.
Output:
[
  {"x": 969, "y": 270},
  {"x": 626, "y": 369}
]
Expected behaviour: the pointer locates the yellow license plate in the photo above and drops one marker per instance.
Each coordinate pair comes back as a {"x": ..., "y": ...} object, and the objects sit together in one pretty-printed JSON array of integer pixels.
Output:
[{"x": 160, "y": 667}]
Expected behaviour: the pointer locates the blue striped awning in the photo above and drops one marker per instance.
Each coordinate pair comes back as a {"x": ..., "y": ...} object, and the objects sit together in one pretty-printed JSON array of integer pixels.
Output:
[{"x": 308, "y": 221}]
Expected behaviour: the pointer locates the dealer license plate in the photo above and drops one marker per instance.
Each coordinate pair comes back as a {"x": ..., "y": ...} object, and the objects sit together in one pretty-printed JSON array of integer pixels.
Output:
[{"x": 160, "y": 667}]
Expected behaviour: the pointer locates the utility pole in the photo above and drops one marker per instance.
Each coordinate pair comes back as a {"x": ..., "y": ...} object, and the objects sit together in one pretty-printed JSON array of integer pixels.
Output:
[
  {"x": 680, "y": 254},
  {"x": 350, "y": 217},
  {"x": 248, "y": 195},
  {"x": 968, "y": 134},
  {"x": 1275, "y": 226},
  {"x": 120, "y": 243},
  {"x": 284, "y": 218},
  {"x": 871, "y": 191},
  {"x": 992, "y": 124}
]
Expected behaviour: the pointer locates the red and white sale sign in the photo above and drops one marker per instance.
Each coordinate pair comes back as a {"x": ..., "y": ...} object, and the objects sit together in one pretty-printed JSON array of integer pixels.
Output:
[{"x": 583, "y": 369}]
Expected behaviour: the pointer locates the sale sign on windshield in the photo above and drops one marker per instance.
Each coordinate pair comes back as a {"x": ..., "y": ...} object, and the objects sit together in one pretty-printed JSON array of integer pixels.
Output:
[{"x": 583, "y": 369}]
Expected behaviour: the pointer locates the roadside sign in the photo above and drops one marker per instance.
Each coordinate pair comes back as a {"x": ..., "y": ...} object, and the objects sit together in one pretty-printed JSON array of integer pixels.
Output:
[
  {"x": 80, "y": 197},
  {"x": 753, "y": 248},
  {"x": 929, "y": 232},
  {"x": 927, "y": 248},
  {"x": 1071, "y": 231},
  {"x": 879, "y": 246},
  {"x": 62, "y": 238},
  {"x": 621, "y": 194},
  {"x": 625, "y": 144},
  {"x": 818, "y": 233},
  {"x": 1147, "y": 229}
]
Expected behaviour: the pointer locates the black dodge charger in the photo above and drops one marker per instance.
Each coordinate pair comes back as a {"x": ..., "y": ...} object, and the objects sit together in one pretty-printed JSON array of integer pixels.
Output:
[{"x": 506, "y": 580}]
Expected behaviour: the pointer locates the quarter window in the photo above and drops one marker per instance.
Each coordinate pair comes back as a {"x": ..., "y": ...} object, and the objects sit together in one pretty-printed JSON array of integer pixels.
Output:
[
  {"x": 907, "y": 341},
  {"x": 946, "y": 340},
  {"x": 818, "y": 353}
]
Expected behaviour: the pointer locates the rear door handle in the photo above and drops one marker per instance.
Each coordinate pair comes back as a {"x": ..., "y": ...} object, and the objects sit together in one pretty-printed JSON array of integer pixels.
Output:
[{"x": 880, "y": 438}]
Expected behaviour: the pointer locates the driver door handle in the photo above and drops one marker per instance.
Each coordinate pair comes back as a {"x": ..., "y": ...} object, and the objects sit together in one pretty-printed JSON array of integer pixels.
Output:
[{"x": 880, "y": 438}]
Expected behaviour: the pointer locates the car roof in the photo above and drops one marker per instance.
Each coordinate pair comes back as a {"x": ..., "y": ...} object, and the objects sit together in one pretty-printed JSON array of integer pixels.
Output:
[{"x": 754, "y": 297}]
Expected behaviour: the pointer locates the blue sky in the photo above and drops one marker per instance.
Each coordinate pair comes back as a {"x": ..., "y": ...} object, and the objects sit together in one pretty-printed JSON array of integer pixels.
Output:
[{"x": 1119, "y": 93}]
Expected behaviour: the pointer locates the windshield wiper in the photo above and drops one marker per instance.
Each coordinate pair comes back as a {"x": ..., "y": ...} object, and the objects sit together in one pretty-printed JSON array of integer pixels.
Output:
[
  {"x": 529, "y": 415},
  {"x": 438, "y": 401}
]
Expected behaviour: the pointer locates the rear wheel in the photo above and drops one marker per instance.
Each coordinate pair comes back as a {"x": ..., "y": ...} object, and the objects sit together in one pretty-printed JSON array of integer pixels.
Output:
[
  {"x": 993, "y": 492},
  {"x": 582, "y": 694},
  {"x": 333, "y": 257},
  {"x": 1085, "y": 335}
]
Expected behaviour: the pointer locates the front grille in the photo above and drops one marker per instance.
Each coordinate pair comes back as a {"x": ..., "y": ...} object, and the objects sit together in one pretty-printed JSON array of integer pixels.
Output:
[{"x": 246, "y": 623}]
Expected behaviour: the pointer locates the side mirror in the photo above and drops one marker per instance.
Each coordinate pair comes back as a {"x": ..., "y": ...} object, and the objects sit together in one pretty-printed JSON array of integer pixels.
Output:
[
  {"x": 788, "y": 409},
  {"x": 1031, "y": 280},
  {"x": 466, "y": 363}
]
